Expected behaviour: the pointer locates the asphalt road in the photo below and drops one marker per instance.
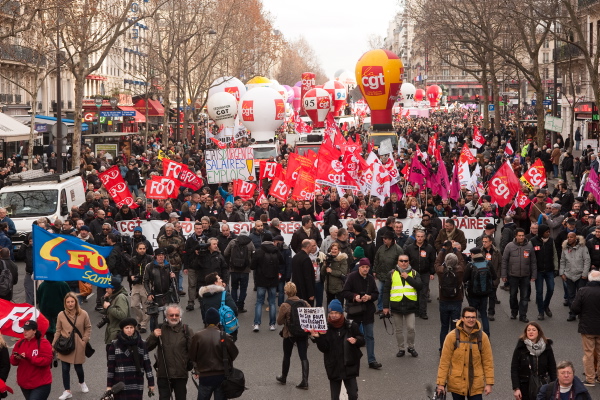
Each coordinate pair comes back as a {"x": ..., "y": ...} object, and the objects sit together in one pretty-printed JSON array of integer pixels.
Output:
[{"x": 400, "y": 378}]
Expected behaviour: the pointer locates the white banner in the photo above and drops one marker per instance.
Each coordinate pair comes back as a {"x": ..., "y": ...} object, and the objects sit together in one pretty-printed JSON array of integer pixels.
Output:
[{"x": 472, "y": 227}]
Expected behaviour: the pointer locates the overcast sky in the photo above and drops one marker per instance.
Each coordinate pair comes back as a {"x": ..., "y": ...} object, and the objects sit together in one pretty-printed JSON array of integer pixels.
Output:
[{"x": 337, "y": 30}]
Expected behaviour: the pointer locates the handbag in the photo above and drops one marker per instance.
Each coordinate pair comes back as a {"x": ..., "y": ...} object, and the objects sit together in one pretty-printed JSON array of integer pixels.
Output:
[
  {"x": 66, "y": 345},
  {"x": 234, "y": 384},
  {"x": 357, "y": 308},
  {"x": 89, "y": 350},
  {"x": 535, "y": 381},
  {"x": 85, "y": 289}
]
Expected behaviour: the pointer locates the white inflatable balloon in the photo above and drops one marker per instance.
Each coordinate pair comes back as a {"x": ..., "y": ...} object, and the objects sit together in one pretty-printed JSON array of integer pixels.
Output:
[
  {"x": 408, "y": 90},
  {"x": 262, "y": 111},
  {"x": 258, "y": 81},
  {"x": 222, "y": 108},
  {"x": 228, "y": 84}
]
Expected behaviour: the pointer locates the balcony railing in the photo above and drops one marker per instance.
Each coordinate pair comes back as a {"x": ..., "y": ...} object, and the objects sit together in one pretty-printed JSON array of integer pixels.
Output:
[
  {"x": 25, "y": 55},
  {"x": 566, "y": 52}
]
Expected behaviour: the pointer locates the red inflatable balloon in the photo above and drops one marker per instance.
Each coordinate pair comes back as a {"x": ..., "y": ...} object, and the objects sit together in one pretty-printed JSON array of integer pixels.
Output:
[
  {"x": 308, "y": 81},
  {"x": 434, "y": 95},
  {"x": 317, "y": 103},
  {"x": 419, "y": 95},
  {"x": 337, "y": 91}
]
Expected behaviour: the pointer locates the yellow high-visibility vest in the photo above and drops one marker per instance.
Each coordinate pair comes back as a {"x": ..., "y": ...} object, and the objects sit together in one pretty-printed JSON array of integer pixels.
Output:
[{"x": 401, "y": 288}]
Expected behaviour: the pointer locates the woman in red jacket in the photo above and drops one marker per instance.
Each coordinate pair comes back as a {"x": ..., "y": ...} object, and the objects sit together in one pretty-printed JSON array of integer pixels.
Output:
[{"x": 33, "y": 356}]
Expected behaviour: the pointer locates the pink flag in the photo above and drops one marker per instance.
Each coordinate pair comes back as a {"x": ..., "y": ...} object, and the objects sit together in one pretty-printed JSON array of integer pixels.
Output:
[
  {"x": 417, "y": 171},
  {"x": 443, "y": 184},
  {"x": 455, "y": 185},
  {"x": 593, "y": 185}
]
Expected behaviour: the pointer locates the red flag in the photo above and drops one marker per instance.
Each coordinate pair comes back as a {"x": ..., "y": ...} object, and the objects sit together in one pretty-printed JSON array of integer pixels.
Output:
[
  {"x": 116, "y": 187},
  {"x": 508, "y": 150},
  {"x": 503, "y": 184},
  {"x": 455, "y": 184},
  {"x": 219, "y": 144},
  {"x": 301, "y": 126},
  {"x": 304, "y": 189},
  {"x": 296, "y": 163},
  {"x": 536, "y": 175},
  {"x": 261, "y": 196},
  {"x": 269, "y": 170},
  {"x": 14, "y": 317},
  {"x": 187, "y": 178},
  {"x": 478, "y": 139},
  {"x": 243, "y": 189},
  {"x": 329, "y": 152},
  {"x": 279, "y": 190},
  {"x": 466, "y": 156},
  {"x": 405, "y": 170},
  {"x": 521, "y": 200},
  {"x": 160, "y": 187},
  {"x": 333, "y": 173},
  {"x": 370, "y": 146}
]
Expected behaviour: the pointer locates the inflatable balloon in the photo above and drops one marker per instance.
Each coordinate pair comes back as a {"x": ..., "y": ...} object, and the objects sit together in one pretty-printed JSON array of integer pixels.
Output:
[
  {"x": 419, "y": 95},
  {"x": 297, "y": 103},
  {"x": 344, "y": 77},
  {"x": 308, "y": 81},
  {"x": 434, "y": 95},
  {"x": 407, "y": 92},
  {"x": 317, "y": 104},
  {"x": 222, "y": 108},
  {"x": 281, "y": 90},
  {"x": 337, "y": 91},
  {"x": 298, "y": 84},
  {"x": 262, "y": 111},
  {"x": 228, "y": 84},
  {"x": 379, "y": 76},
  {"x": 290, "y": 93},
  {"x": 258, "y": 81}
]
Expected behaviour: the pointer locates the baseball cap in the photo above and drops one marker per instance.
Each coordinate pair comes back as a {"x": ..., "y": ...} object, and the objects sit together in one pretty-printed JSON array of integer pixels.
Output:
[{"x": 30, "y": 325}]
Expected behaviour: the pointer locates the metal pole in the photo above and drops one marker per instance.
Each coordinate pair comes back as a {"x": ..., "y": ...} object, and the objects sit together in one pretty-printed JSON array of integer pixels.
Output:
[
  {"x": 178, "y": 98},
  {"x": 59, "y": 160}
]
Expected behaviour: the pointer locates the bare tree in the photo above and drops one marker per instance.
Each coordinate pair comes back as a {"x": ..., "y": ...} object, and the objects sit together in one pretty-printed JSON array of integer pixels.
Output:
[
  {"x": 300, "y": 57},
  {"x": 18, "y": 16},
  {"x": 375, "y": 42}
]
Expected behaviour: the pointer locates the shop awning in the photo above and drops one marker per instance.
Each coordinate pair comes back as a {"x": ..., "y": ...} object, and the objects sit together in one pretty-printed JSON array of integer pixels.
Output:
[
  {"x": 139, "y": 117},
  {"x": 12, "y": 130},
  {"x": 155, "y": 109}
]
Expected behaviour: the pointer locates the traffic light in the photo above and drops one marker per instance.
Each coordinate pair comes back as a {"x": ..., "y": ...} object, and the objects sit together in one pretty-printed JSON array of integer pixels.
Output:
[{"x": 595, "y": 112}]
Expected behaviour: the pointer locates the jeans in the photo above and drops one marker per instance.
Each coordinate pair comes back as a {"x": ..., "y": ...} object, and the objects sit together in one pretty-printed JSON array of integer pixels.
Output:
[
  {"x": 211, "y": 385},
  {"x": 180, "y": 281},
  {"x": 168, "y": 386},
  {"x": 319, "y": 294},
  {"x": 481, "y": 303},
  {"x": 280, "y": 293},
  {"x": 423, "y": 294},
  {"x": 301, "y": 344},
  {"x": 492, "y": 302},
  {"x": 28, "y": 285},
  {"x": 39, "y": 393},
  {"x": 260, "y": 299},
  {"x": 461, "y": 397},
  {"x": 380, "y": 299},
  {"x": 66, "y": 375},
  {"x": 555, "y": 167},
  {"x": 239, "y": 280},
  {"x": 367, "y": 331},
  {"x": 572, "y": 288},
  {"x": 577, "y": 142},
  {"x": 519, "y": 284},
  {"x": 449, "y": 314},
  {"x": 133, "y": 189},
  {"x": 351, "y": 388},
  {"x": 548, "y": 277},
  {"x": 399, "y": 321}
]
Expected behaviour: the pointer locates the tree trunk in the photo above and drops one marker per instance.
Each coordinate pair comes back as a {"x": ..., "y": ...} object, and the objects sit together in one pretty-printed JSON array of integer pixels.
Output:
[
  {"x": 79, "y": 88},
  {"x": 167, "y": 106},
  {"x": 541, "y": 113},
  {"x": 485, "y": 100}
]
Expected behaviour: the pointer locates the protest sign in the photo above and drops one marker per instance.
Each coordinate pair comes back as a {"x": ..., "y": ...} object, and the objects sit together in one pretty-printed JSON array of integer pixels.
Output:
[
  {"x": 312, "y": 318},
  {"x": 226, "y": 165}
]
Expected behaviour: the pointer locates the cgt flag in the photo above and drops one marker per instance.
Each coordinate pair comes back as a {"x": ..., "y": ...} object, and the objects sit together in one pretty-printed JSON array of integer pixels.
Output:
[
  {"x": 13, "y": 317},
  {"x": 68, "y": 258},
  {"x": 535, "y": 176},
  {"x": 503, "y": 184}
]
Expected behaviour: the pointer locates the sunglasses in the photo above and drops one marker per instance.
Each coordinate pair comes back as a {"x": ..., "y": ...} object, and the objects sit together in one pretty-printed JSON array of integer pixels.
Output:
[
  {"x": 173, "y": 315},
  {"x": 403, "y": 260}
]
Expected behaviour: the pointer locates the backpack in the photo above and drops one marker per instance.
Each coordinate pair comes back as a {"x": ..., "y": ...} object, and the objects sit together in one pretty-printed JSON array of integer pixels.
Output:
[
  {"x": 458, "y": 341},
  {"x": 481, "y": 283},
  {"x": 238, "y": 259},
  {"x": 449, "y": 283},
  {"x": 228, "y": 319},
  {"x": 6, "y": 282},
  {"x": 270, "y": 268},
  {"x": 294, "y": 324}
]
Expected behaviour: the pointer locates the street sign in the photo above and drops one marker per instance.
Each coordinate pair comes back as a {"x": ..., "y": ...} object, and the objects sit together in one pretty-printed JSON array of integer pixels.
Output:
[
  {"x": 553, "y": 124},
  {"x": 547, "y": 102},
  {"x": 510, "y": 94},
  {"x": 128, "y": 113},
  {"x": 41, "y": 127},
  {"x": 112, "y": 114},
  {"x": 533, "y": 102},
  {"x": 491, "y": 107}
]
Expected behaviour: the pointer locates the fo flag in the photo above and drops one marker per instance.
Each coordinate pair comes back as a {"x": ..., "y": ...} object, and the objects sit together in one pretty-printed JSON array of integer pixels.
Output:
[
  {"x": 466, "y": 156},
  {"x": 279, "y": 190},
  {"x": 13, "y": 317},
  {"x": 478, "y": 139},
  {"x": 68, "y": 258},
  {"x": 174, "y": 170},
  {"x": 160, "y": 187},
  {"x": 269, "y": 170},
  {"x": 535, "y": 176},
  {"x": 116, "y": 187},
  {"x": 243, "y": 189},
  {"x": 503, "y": 184}
]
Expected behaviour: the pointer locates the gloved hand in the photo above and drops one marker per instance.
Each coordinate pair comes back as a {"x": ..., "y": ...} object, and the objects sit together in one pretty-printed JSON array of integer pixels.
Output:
[{"x": 169, "y": 249}]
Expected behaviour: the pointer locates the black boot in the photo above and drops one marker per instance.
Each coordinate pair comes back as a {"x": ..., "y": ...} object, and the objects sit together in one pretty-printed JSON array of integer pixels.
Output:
[
  {"x": 285, "y": 368},
  {"x": 304, "y": 383}
]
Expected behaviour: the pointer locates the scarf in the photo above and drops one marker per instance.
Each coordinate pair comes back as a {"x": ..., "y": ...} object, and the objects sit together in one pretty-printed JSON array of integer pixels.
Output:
[
  {"x": 535, "y": 349},
  {"x": 131, "y": 344},
  {"x": 336, "y": 324},
  {"x": 450, "y": 235}
]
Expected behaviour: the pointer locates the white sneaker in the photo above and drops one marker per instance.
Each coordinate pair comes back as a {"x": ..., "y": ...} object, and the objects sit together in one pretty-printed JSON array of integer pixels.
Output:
[
  {"x": 66, "y": 395},
  {"x": 256, "y": 328},
  {"x": 84, "y": 387},
  {"x": 272, "y": 328}
]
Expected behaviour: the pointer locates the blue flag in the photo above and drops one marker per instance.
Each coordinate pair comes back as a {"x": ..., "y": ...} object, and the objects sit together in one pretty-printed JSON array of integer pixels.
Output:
[{"x": 68, "y": 258}]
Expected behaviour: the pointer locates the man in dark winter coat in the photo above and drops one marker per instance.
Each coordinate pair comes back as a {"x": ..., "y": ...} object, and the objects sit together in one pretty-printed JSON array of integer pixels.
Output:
[
  {"x": 191, "y": 246},
  {"x": 566, "y": 378},
  {"x": 256, "y": 233},
  {"x": 303, "y": 273},
  {"x": 239, "y": 254},
  {"x": 389, "y": 227},
  {"x": 138, "y": 237},
  {"x": 211, "y": 260},
  {"x": 285, "y": 268},
  {"x": 266, "y": 262},
  {"x": 593, "y": 245},
  {"x": 422, "y": 259},
  {"x": 306, "y": 231},
  {"x": 225, "y": 237},
  {"x": 547, "y": 269},
  {"x": 211, "y": 293}
]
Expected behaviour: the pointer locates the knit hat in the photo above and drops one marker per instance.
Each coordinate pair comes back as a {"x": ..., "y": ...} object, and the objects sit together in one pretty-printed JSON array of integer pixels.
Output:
[
  {"x": 244, "y": 232},
  {"x": 490, "y": 226},
  {"x": 212, "y": 317},
  {"x": 359, "y": 252},
  {"x": 476, "y": 253},
  {"x": 278, "y": 238},
  {"x": 267, "y": 237},
  {"x": 116, "y": 282},
  {"x": 357, "y": 228},
  {"x": 556, "y": 205},
  {"x": 543, "y": 228},
  {"x": 364, "y": 261},
  {"x": 85, "y": 228},
  {"x": 128, "y": 322},
  {"x": 335, "y": 305},
  {"x": 451, "y": 260},
  {"x": 137, "y": 229}
]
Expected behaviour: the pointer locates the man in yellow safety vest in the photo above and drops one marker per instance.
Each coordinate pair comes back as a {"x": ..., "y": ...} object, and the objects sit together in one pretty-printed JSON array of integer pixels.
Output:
[{"x": 400, "y": 295}]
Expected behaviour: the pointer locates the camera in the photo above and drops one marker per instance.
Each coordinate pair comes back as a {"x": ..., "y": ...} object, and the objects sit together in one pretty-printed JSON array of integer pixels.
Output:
[
  {"x": 103, "y": 322},
  {"x": 137, "y": 279},
  {"x": 151, "y": 308},
  {"x": 382, "y": 315},
  {"x": 330, "y": 258},
  {"x": 202, "y": 247}
]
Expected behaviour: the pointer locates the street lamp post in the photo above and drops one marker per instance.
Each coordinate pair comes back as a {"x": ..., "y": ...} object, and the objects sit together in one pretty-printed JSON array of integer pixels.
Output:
[
  {"x": 113, "y": 103},
  {"x": 98, "y": 102},
  {"x": 59, "y": 158}
]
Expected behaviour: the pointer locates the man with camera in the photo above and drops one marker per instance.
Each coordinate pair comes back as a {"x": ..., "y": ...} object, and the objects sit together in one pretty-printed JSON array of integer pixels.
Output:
[
  {"x": 116, "y": 309},
  {"x": 173, "y": 340},
  {"x": 136, "y": 282},
  {"x": 422, "y": 258},
  {"x": 196, "y": 238},
  {"x": 173, "y": 245},
  {"x": 210, "y": 260},
  {"x": 160, "y": 285}
]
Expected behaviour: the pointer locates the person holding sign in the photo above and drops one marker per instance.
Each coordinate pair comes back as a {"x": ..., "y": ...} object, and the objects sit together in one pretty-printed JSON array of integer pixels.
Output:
[{"x": 340, "y": 346}]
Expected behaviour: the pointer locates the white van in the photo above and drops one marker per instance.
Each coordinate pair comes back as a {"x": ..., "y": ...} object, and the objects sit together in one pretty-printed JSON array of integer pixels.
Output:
[{"x": 34, "y": 194}]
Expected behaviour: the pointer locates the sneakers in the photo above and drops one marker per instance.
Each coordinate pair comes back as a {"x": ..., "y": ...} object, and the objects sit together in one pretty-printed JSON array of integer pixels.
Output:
[
  {"x": 242, "y": 310},
  {"x": 571, "y": 318},
  {"x": 256, "y": 328},
  {"x": 588, "y": 383},
  {"x": 182, "y": 293},
  {"x": 272, "y": 327},
  {"x": 400, "y": 353},
  {"x": 66, "y": 395},
  {"x": 491, "y": 317},
  {"x": 84, "y": 388},
  {"x": 413, "y": 352}
]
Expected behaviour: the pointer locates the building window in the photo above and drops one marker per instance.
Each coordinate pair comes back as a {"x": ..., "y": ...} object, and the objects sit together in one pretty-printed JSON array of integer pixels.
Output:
[
  {"x": 546, "y": 57},
  {"x": 547, "y": 43},
  {"x": 446, "y": 73},
  {"x": 546, "y": 73}
]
